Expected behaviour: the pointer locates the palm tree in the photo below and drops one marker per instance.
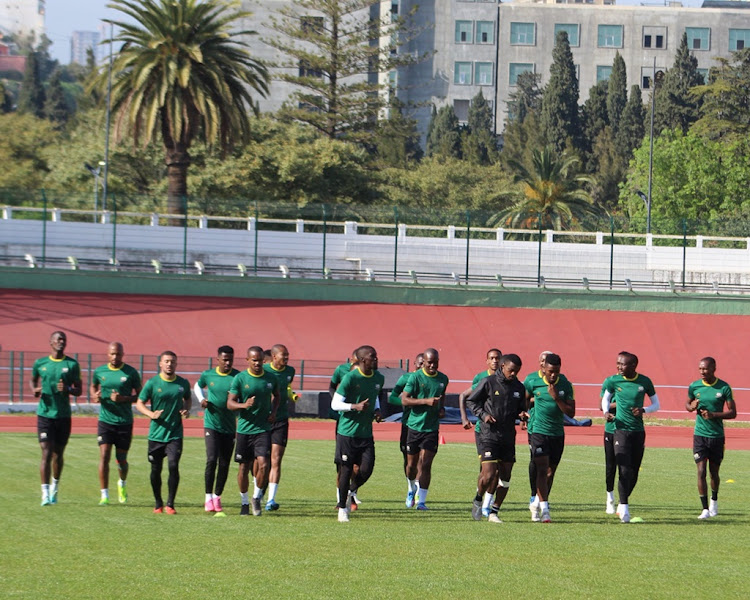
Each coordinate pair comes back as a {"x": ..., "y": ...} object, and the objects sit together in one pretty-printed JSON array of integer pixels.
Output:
[
  {"x": 552, "y": 189},
  {"x": 182, "y": 71}
]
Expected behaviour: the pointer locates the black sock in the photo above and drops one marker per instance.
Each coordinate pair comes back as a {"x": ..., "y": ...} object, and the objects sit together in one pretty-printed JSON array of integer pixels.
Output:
[
  {"x": 494, "y": 508},
  {"x": 715, "y": 495},
  {"x": 704, "y": 502},
  {"x": 478, "y": 498}
]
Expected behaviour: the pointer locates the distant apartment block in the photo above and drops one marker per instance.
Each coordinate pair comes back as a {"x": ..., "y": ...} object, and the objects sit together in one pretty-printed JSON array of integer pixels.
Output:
[
  {"x": 81, "y": 42},
  {"x": 22, "y": 17}
]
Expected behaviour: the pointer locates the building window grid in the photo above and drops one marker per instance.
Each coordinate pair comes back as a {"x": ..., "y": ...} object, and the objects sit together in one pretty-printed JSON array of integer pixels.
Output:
[
  {"x": 515, "y": 69},
  {"x": 464, "y": 32},
  {"x": 603, "y": 72},
  {"x": 485, "y": 32},
  {"x": 609, "y": 36},
  {"x": 522, "y": 34},
  {"x": 483, "y": 73},
  {"x": 572, "y": 29},
  {"x": 739, "y": 39},
  {"x": 699, "y": 38},
  {"x": 462, "y": 73}
]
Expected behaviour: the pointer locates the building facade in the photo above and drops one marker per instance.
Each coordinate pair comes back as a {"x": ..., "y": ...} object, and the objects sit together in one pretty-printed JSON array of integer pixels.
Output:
[
  {"x": 24, "y": 17},
  {"x": 81, "y": 42}
]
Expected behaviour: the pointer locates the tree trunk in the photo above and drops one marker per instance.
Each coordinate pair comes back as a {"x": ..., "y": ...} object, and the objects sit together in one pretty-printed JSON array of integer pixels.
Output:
[{"x": 178, "y": 161}]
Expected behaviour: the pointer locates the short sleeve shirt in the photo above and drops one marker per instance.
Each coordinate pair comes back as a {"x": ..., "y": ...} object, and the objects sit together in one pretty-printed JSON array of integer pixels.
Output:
[
  {"x": 254, "y": 420},
  {"x": 54, "y": 404},
  {"x": 284, "y": 378},
  {"x": 548, "y": 418},
  {"x": 125, "y": 381},
  {"x": 357, "y": 387},
  {"x": 425, "y": 418},
  {"x": 216, "y": 415},
  {"x": 169, "y": 396},
  {"x": 629, "y": 394},
  {"x": 712, "y": 398}
]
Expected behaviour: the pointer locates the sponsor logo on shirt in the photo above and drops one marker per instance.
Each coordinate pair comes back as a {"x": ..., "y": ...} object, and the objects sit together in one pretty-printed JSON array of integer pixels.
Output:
[
  {"x": 516, "y": 395},
  {"x": 640, "y": 388},
  {"x": 718, "y": 394},
  {"x": 123, "y": 379},
  {"x": 65, "y": 369}
]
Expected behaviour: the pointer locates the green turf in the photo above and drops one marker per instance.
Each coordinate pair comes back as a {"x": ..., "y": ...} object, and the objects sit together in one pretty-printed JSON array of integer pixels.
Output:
[{"x": 78, "y": 549}]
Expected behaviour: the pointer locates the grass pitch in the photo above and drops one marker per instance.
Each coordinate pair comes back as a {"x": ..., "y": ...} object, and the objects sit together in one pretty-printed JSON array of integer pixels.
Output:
[{"x": 78, "y": 549}]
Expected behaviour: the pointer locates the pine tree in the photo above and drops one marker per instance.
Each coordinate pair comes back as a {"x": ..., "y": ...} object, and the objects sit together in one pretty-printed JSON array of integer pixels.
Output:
[
  {"x": 617, "y": 93},
  {"x": 632, "y": 125},
  {"x": 55, "y": 107},
  {"x": 6, "y": 100},
  {"x": 594, "y": 119},
  {"x": 480, "y": 143},
  {"x": 526, "y": 98},
  {"x": 444, "y": 138},
  {"x": 397, "y": 141},
  {"x": 31, "y": 98},
  {"x": 560, "y": 119},
  {"x": 675, "y": 106}
]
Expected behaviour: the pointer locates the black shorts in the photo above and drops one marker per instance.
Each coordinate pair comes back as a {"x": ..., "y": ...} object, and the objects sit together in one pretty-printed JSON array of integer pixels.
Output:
[
  {"x": 629, "y": 443},
  {"x": 280, "y": 433},
  {"x": 54, "y": 431},
  {"x": 352, "y": 450},
  {"x": 403, "y": 438},
  {"x": 497, "y": 451},
  {"x": 158, "y": 450},
  {"x": 248, "y": 447},
  {"x": 119, "y": 436},
  {"x": 547, "y": 445},
  {"x": 706, "y": 448},
  {"x": 421, "y": 440},
  {"x": 478, "y": 443}
]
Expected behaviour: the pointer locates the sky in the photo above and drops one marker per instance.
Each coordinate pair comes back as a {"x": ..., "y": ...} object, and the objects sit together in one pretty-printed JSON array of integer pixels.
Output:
[{"x": 66, "y": 16}]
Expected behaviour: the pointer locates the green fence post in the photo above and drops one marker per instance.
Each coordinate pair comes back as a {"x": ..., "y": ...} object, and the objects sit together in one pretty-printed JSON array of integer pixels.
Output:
[
  {"x": 44, "y": 228},
  {"x": 395, "y": 244},
  {"x": 539, "y": 254},
  {"x": 10, "y": 377},
  {"x": 325, "y": 231},
  {"x": 20, "y": 377},
  {"x": 140, "y": 366},
  {"x": 88, "y": 389},
  {"x": 114, "y": 230},
  {"x": 302, "y": 374},
  {"x": 468, "y": 238},
  {"x": 684, "y": 250},
  {"x": 255, "y": 250},
  {"x": 611, "y": 249},
  {"x": 184, "y": 237}
]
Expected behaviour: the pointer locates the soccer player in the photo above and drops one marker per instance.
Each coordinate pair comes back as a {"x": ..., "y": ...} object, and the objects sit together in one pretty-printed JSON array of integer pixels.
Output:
[
  {"x": 115, "y": 386},
  {"x": 219, "y": 425},
  {"x": 497, "y": 402},
  {"x": 628, "y": 390},
  {"x": 424, "y": 393},
  {"x": 493, "y": 362},
  {"x": 610, "y": 465},
  {"x": 336, "y": 378},
  {"x": 553, "y": 398},
  {"x": 529, "y": 426},
  {"x": 357, "y": 398},
  {"x": 170, "y": 399},
  {"x": 255, "y": 394},
  {"x": 54, "y": 379},
  {"x": 708, "y": 397},
  {"x": 395, "y": 399},
  {"x": 279, "y": 368}
]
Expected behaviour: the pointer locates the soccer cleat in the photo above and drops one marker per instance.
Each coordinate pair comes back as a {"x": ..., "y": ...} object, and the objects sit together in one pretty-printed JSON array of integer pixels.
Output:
[
  {"x": 476, "y": 510},
  {"x": 356, "y": 500},
  {"x": 45, "y": 501},
  {"x": 545, "y": 517},
  {"x": 351, "y": 502},
  {"x": 245, "y": 510},
  {"x": 170, "y": 510},
  {"x": 624, "y": 515},
  {"x": 410, "y": 500},
  {"x": 158, "y": 510},
  {"x": 104, "y": 502},
  {"x": 217, "y": 505},
  {"x": 343, "y": 515},
  {"x": 422, "y": 506},
  {"x": 209, "y": 506},
  {"x": 122, "y": 493},
  {"x": 713, "y": 508},
  {"x": 272, "y": 505},
  {"x": 493, "y": 518},
  {"x": 53, "y": 497},
  {"x": 610, "y": 510},
  {"x": 535, "y": 511},
  {"x": 486, "y": 512},
  {"x": 705, "y": 514},
  {"x": 255, "y": 503}
]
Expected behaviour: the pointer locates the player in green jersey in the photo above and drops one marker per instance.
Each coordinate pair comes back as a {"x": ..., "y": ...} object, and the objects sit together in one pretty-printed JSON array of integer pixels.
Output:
[
  {"x": 336, "y": 378},
  {"x": 255, "y": 394},
  {"x": 170, "y": 399},
  {"x": 424, "y": 393},
  {"x": 395, "y": 399},
  {"x": 115, "y": 386},
  {"x": 708, "y": 397},
  {"x": 529, "y": 426},
  {"x": 553, "y": 398},
  {"x": 54, "y": 379},
  {"x": 493, "y": 362},
  {"x": 610, "y": 464},
  {"x": 279, "y": 368},
  {"x": 358, "y": 400},
  {"x": 218, "y": 425},
  {"x": 628, "y": 389}
]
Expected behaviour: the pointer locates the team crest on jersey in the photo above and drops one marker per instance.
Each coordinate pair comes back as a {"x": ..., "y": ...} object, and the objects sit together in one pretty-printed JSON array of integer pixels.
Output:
[
  {"x": 247, "y": 385},
  {"x": 718, "y": 394},
  {"x": 211, "y": 384},
  {"x": 44, "y": 368},
  {"x": 516, "y": 395},
  {"x": 269, "y": 385},
  {"x": 158, "y": 389},
  {"x": 123, "y": 379}
]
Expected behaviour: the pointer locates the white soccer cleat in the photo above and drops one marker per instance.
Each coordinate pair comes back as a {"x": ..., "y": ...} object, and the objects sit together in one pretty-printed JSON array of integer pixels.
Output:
[
  {"x": 545, "y": 517},
  {"x": 535, "y": 511},
  {"x": 343, "y": 515},
  {"x": 493, "y": 518},
  {"x": 623, "y": 513},
  {"x": 713, "y": 508},
  {"x": 705, "y": 514},
  {"x": 610, "y": 510}
]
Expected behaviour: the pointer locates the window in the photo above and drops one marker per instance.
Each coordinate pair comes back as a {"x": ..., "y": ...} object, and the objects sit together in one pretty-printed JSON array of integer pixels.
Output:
[
  {"x": 461, "y": 108},
  {"x": 739, "y": 39},
  {"x": 603, "y": 72},
  {"x": 483, "y": 73},
  {"x": 516, "y": 69},
  {"x": 571, "y": 29},
  {"x": 647, "y": 76},
  {"x": 462, "y": 73},
  {"x": 610, "y": 36},
  {"x": 394, "y": 7},
  {"x": 522, "y": 34},
  {"x": 485, "y": 32},
  {"x": 699, "y": 38},
  {"x": 393, "y": 79},
  {"x": 464, "y": 32},
  {"x": 654, "y": 37}
]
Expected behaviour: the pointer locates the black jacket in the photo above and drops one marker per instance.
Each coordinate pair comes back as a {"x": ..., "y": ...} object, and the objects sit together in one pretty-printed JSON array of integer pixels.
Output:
[{"x": 504, "y": 399}]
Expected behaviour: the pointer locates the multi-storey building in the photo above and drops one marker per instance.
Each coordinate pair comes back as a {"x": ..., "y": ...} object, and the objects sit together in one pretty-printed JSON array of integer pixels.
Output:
[
  {"x": 81, "y": 42},
  {"x": 24, "y": 17}
]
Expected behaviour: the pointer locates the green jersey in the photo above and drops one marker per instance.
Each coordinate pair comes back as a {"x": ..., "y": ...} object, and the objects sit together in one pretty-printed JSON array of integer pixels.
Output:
[
  {"x": 548, "y": 418},
  {"x": 357, "y": 387},
  {"x": 712, "y": 398},
  {"x": 474, "y": 383},
  {"x": 609, "y": 426},
  {"x": 254, "y": 420},
  {"x": 421, "y": 385},
  {"x": 216, "y": 415},
  {"x": 284, "y": 379},
  {"x": 54, "y": 404},
  {"x": 125, "y": 381},
  {"x": 168, "y": 395},
  {"x": 628, "y": 394},
  {"x": 395, "y": 396}
]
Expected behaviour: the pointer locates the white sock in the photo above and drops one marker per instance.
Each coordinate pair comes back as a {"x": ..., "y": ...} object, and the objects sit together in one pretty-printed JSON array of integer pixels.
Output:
[
  {"x": 338, "y": 496},
  {"x": 257, "y": 492},
  {"x": 611, "y": 496},
  {"x": 544, "y": 505},
  {"x": 105, "y": 493},
  {"x": 54, "y": 486},
  {"x": 412, "y": 483},
  {"x": 422, "y": 495},
  {"x": 245, "y": 498},
  {"x": 45, "y": 490},
  {"x": 272, "y": 491},
  {"x": 215, "y": 497},
  {"x": 487, "y": 501},
  {"x": 209, "y": 497},
  {"x": 533, "y": 500}
]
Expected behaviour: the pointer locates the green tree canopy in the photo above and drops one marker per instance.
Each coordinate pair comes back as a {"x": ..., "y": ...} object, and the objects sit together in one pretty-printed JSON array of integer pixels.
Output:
[
  {"x": 480, "y": 142},
  {"x": 632, "y": 125},
  {"x": 559, "y": 116},
  {"x": 444, "y": 135},
  {"x": 31, "y": 98},
  {"x": 617, "y": 93}
]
